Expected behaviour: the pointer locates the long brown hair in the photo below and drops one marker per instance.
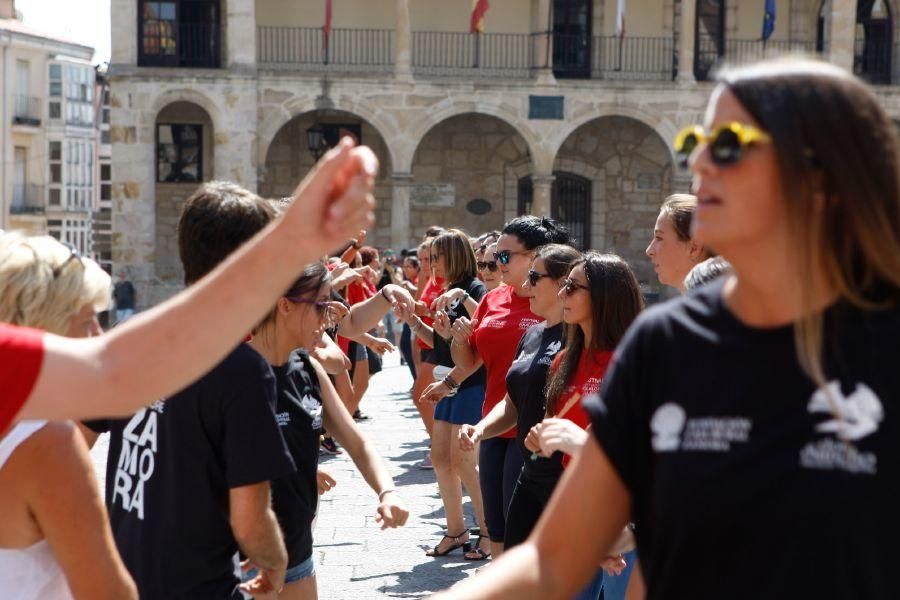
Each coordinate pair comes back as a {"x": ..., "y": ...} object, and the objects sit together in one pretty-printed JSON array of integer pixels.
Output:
[
  {"x": 459, "y": 258},
  {"x": 616, "y": 301},
  {"x": 838, "y": 155}
]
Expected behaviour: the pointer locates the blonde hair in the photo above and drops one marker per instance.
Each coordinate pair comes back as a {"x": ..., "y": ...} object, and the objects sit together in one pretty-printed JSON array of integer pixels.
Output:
[
  {"x": 459, "y": 258},
  {"x": 32, "y": 296}
]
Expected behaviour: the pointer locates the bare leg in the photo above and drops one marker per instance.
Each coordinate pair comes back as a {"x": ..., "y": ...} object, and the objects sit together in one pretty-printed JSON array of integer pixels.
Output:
[
  {"x": 360, "y": 384},
  {"x": 344, "y": 388},
  {"x": 305, "y": 589},
  {"x": 448, "y": 481},
  {"x": 425, "y": 378},
  {"x": 465, "y": 466}
]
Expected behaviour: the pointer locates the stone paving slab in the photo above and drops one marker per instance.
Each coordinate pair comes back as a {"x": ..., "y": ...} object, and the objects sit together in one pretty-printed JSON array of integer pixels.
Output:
[{"x": 354, "y": 558}]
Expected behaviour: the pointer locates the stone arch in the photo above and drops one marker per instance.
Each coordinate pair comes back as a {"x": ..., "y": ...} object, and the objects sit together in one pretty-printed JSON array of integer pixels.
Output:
[
  {"x": 183, "y": 156},
  {"x": 274, "y": 118},
  {"x": 450, "y": 108},
  {"x": 632, "y": 171},
  {"x": 465, "y": 157},
  {"x": 193, "y": 97}
]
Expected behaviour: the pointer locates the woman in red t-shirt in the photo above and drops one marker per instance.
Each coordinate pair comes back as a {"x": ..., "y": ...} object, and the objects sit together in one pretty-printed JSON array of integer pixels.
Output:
[{"x": 492, "y": 337}]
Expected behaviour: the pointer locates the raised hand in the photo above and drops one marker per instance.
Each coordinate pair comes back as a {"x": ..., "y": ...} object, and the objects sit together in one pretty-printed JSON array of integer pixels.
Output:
[
  {"x": 562, "y": 435},
  {"x": 381, "y": 346},
  {"x": 462, "y": 329},
  {"x": 446, "y": 300},
  {"x": 441, "y": 324},
  {"x": 468, "y": 437}
]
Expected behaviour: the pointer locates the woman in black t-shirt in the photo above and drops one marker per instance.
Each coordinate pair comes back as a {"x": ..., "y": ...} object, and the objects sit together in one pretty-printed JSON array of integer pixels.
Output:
[
  {"x": 306, "y": 403},
  {"x": 524, "y": 404},
  {"x": 760, "y": 415},
  {"x": 453, "y": 261}
]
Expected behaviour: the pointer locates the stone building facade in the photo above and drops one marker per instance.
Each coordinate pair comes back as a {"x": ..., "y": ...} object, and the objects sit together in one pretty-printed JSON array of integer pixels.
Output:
[{"x": 470, "y": 130}]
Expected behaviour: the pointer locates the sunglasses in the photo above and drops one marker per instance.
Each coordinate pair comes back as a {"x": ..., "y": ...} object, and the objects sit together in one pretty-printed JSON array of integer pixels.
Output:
[
  {"x": 74, "y": 254},
  {"x": 726, "y": 142},
  {"x": 503, "y": 256},
  {"x": 534, "y": 277},
  {"x": 570, "y": 286},
  {"x": 490, "y": 265},
  {"x": 324, "y": 308}
]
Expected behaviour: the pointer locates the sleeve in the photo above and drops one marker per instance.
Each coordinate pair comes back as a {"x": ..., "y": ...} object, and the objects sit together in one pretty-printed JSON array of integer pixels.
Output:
[
  {"x": 618, "y": 415},
  {"x": 477, "y": 290},
  {"x": 254, "y": 449},
  {"x": 97, "y": 425},
  {"x": 21, "y": 355}
]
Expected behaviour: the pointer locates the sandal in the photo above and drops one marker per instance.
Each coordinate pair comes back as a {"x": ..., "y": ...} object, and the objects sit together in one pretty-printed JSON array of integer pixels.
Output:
[
  {"x": 456, "y": 544},
  {"x": 479, "y": 553}
]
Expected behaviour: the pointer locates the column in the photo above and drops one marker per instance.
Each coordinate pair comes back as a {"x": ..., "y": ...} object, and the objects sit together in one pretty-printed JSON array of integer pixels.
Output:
[
  {"x": 542, "y": 42},
  {"x": 403, "y": 43},
  {"x": 542, "y": 186},
  {"x": 124, "y": 21},
  {"x": 240, "y": 33},
  {"x": 842, "y": 29},
  {"x": 686, "y": 41},
  {"x": 400, "y": 227}
]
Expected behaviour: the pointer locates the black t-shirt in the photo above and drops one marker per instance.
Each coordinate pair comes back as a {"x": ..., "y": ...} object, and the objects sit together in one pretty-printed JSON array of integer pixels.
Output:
[
  {"x": 525, "y": 383},
  {"x": 732, "y": 455},
  {"x": 442, "y": 356},
  {"x": 299, "y": 413},
  {"x": 169, "y": 471}
]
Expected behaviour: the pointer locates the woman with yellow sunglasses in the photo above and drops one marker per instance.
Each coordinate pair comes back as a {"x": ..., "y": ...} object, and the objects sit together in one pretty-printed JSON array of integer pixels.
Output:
[{"x": 755, "y": 423}]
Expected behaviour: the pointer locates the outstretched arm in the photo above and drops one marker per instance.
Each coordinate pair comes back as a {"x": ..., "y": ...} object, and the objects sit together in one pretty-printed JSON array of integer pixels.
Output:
[{"x": 162, "y": 350}]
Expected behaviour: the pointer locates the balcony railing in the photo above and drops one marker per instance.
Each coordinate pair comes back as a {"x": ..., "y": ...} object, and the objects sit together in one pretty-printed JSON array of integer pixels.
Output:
[
  {"x": 613, "y": 57},
  {"x": 708, "y": 56},
  {"x": 196, "y": 45},
  {"x": 26, "y": 110},
  {"x": 490, "y": 54},
  {"x": 305, "y": 47},
  {"x": 28, "y": 199}
]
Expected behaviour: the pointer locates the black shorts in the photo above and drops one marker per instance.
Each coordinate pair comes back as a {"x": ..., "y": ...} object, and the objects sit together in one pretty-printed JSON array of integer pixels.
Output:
[{"x": 427, "y": 355}]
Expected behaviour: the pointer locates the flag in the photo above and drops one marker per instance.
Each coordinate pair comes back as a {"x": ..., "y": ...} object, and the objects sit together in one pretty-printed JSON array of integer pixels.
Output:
[
  {"x": 768, "y": 20},
  {"x": 620, "y": 19},
  {"x": 479, "y": 7},
  {"x": 326, "y": 31}
]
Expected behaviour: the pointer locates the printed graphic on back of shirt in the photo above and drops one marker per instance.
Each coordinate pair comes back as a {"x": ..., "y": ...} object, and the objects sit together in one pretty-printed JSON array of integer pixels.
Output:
[{"x": 136, "y": 462}]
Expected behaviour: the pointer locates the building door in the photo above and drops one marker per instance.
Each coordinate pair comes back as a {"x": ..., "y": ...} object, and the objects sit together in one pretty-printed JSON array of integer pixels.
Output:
[
  {"x": 19, "y": 170},
  {"x": 571, "y": 205},
  {"x": 709, "y": 45},
  {"x": 572, "y": 31},
  {"x": 872, "y": 53}
]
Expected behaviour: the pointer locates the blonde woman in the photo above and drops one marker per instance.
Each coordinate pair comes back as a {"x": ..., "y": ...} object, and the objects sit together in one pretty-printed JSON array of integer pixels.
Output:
[{"x": 55, "y": 541}]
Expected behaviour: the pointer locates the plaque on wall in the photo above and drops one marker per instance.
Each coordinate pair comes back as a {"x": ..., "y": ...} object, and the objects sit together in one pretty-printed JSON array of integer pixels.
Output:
[
  {"x": 433, "y": 194},
  {"x": 478, "y": 206},
  {"x": 546, "y": 107},
  {"x": 648, "y": 181}
]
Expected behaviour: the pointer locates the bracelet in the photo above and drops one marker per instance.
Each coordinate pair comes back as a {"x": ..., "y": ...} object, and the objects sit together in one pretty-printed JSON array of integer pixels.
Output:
[
  {"x": 383, "y": 295},
  {"x": 383, "y": 492},
  {"x": 450, "y": 382}
]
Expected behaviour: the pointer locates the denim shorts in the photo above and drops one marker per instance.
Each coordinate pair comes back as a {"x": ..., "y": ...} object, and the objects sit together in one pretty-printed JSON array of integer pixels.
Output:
[
  {"x": 462, "y": 409},
  {"x": 305, "y": 569}
]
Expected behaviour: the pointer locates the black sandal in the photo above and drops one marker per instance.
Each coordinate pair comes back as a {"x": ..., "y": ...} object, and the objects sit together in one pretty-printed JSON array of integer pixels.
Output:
[
  {"x": 466, "y": 546},
  {"x": 482, "y": 555}
]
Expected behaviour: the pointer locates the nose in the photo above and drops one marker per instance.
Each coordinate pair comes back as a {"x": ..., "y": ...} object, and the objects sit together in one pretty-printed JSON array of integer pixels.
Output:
[
  {"x": 649, "y": 251},
  {"x": 700, "y": 162}
]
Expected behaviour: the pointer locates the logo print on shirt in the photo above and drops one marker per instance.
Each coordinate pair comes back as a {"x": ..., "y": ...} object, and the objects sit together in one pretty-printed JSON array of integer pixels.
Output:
[
  {"x": 137, "y": 459},
  {"x": 667, "y": 424},
  {"x": 859, "y": 415},
  {"x": 673, "y": 430},
  {"x": 314, "y": 409}
]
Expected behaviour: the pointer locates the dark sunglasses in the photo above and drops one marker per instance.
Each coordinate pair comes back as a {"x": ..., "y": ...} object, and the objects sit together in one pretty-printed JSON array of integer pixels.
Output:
[
  {"x": 74, "y": 254},
  {"x": 503, "y": 256},
  {"x": 490, "y": 265},
  {"x": 323, "y": 307},
  {"x": 570, "y": 286},
  {"x": 534, "y": 277},
  {"x": 726, "y": 142}
]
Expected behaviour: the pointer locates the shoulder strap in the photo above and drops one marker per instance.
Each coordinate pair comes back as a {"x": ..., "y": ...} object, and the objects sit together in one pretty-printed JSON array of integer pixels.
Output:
[{"x": 16, "y": 436}]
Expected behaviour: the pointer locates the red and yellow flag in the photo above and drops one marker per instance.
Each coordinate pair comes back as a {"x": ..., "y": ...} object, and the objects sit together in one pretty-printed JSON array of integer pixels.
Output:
[{"x": 479, "y": 7}]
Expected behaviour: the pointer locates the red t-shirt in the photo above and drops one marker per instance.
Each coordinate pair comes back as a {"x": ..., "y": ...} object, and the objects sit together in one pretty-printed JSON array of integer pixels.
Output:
[
  {"x": 433, "y": 289},
  {"x": 358, "y": 291},
  {"x": 21, "y": 355},
  {"x": 586, "y": 381},
  {"x": 503, "y": 317}
]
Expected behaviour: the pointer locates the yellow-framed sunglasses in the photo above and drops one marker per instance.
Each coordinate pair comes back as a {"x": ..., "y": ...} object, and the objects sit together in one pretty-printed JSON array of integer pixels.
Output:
[{"x": 726, "y": 142}]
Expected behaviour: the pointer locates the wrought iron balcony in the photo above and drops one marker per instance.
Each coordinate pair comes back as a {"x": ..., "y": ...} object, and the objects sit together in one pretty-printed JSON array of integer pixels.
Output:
[
  {"x": 26, "y": 110},
  {"x": 305, "y": 48},
  {"x": 468, "y": 54}
]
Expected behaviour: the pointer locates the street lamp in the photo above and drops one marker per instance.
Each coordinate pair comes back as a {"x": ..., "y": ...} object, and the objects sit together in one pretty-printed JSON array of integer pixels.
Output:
[{"x": 315, "y": 141}]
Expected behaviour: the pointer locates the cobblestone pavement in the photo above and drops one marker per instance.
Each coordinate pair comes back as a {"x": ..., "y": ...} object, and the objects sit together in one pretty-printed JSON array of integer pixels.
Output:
[{"x": 354, "y": 558}]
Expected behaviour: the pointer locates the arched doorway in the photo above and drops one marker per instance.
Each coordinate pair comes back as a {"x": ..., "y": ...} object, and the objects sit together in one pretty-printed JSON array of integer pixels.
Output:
[
  {"x": 289, "y": 159},
  {"x": 709, "y": 43},
  {"x": 184, "y": 159},
  {"x": 612, "y": 175},
  {"x": 461, "y": 159},
  {"x": 874, "y": 41},
  {"x": 570, "y": 204}
]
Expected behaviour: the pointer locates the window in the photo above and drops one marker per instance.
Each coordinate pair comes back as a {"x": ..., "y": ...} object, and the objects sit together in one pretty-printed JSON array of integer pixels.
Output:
[
  {"x": 179, "y": 150},
  {"x": 105, "y": 116},
  {"x": 105, "y": 172},
  {"x": 104, "y": 136},
  {"x": 179, "y": 34},
  {"x": 55, "y": 110}
]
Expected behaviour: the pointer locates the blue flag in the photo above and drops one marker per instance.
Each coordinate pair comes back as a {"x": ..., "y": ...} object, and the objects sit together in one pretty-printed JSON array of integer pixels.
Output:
[{"x": 769, "y": 20}]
